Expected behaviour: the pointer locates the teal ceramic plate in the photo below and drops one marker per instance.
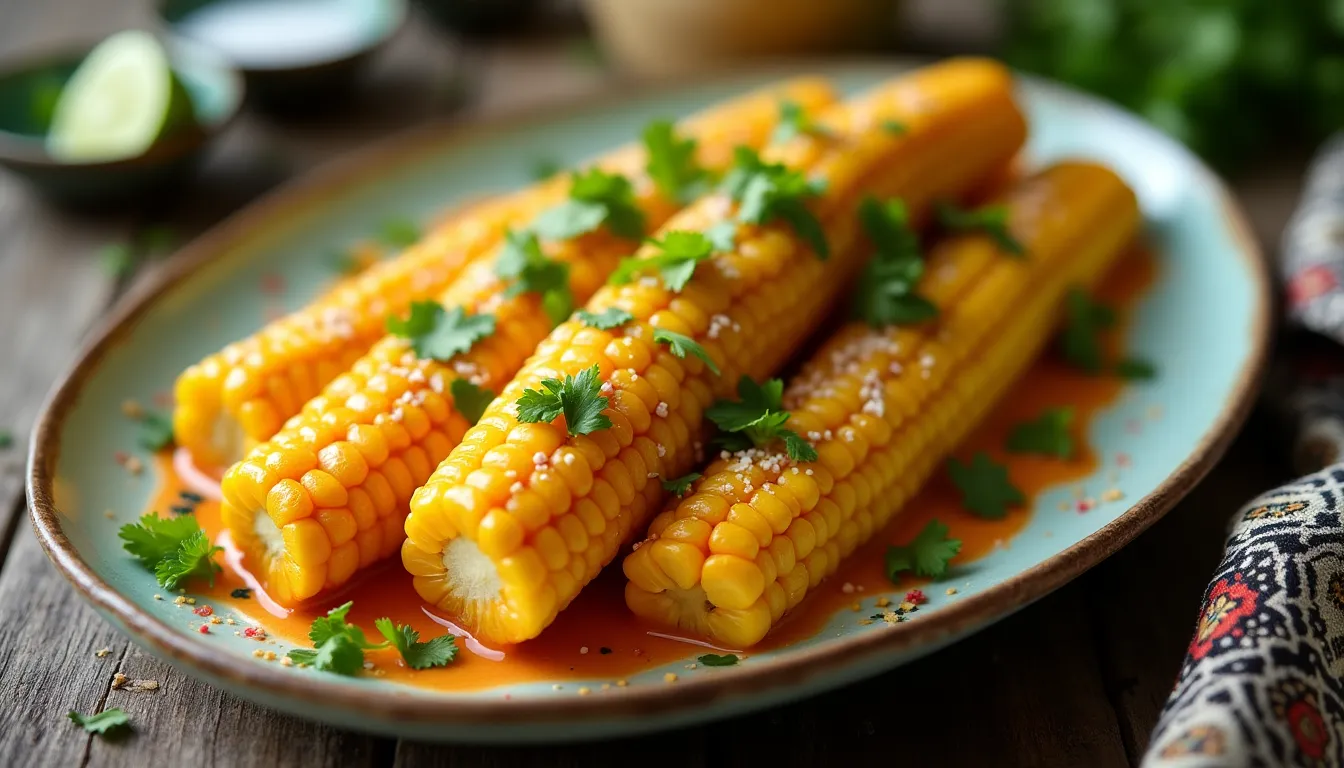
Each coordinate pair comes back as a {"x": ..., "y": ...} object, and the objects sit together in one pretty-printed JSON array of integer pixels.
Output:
[{"x": 1205, "y": 324}]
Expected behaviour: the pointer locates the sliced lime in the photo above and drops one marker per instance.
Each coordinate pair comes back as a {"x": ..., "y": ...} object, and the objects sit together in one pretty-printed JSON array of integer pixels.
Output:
[{"x": 121, "y": 99}]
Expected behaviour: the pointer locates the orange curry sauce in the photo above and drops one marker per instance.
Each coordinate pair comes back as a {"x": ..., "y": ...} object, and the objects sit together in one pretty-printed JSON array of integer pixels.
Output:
[{"x": 597, "y": 638}]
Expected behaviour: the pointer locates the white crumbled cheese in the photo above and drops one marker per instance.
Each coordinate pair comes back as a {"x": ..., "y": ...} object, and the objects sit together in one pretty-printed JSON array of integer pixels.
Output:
[
  {"x": 661, "y": 410},
  {"x": 516, "y": 488},
  {"x": 662, "y": 450},
  {"x": 539, "y": 458}
]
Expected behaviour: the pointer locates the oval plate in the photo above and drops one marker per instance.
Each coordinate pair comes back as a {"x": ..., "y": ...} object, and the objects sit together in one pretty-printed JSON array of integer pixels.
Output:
[{"x": 1205, "y": 324}]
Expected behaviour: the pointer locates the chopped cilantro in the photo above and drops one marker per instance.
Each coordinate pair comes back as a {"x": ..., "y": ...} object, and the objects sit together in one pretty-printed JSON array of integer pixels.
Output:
[
  {"x": 105, "y": 723},
  {"x": 544, "y": 168},
  {"x": 174, "y": 548},
  {"x": 680, "y": 485},
  {"x": 607, "y": 319},
  {"x": 241, "y": 593},
  {"x": 759, "y": 417},
  {"x": 681, "y": 346},
  {"x": 715, "y": 660},
  {"x": 671, "y": 162},
  {"x": 723, "y": 236},
  {"x": 676, "y": 261},
  {"x": 895, "y": 127},
  {"x": 1048, "y": 435},
  {"x": 156, "y": 431},
  {"x": 768, "y": 191},
  {"x": 436, "y": 333},
  {"x": 578, "y": 398},
  {"x": 431, "y": 653},
  {"x": 992, "y": 221},
  {"x": 986, "y": 490},
  {"x": 469, "y": 399},
  {"x": 1135, "y": 369},
  {"x": 1084, "y": 320},
  {"x": 794, "y": 121},
  {"x": 927, "y": 555},
  {"x": 522, "y": 261},
  {"x": 885, "y": 294},
  {"x": 399, "y": 232},
  {"x": 337, "y": 646},
  {"x": 595, "y": 198}
]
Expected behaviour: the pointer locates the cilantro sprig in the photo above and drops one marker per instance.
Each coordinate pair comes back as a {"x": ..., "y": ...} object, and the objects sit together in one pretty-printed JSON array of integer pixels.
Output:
[
  {"x": 155, "y": 432},
  {"x": 578, "y": 398},
  {"x": 986, "y": 490},
  {"x": 174, "y": 548},
  {"x": 682, "y": 345},
  {"x": 399, "y": 232},
  {"x": 596, "y": 198},
  {"x": 109, "y": 722},
  {"x": 522, "y": 261},
  {"x": 671, "y": 162},
  {"x": 469, "y": 399},
  {"x": 885, "y": 294},
  {"x": 1047, "y": 435},
  {"x": 757, "y": 418},
  {"x": 436, "y": 333},
  {"x": 717, "y": 660},
  {"x": 339, "y": 646},
  {"x": 991, "y": 221},
  {"x": 768, "y": 191},
  {"x": 679, "y": 486},
  {"x": 894, "y": 127},
  {"x": 926, "y": 555},
  {"x": 679, "y": 253},
  {"x": 1085, "y": 320},
  {"x": 436, "y": 652},
  {"x": 794, "y": 121},
  {"x": 607, "y": 319}
]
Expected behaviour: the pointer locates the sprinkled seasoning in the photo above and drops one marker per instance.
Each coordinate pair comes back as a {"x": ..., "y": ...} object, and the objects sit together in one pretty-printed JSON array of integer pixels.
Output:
[{"x": 670, "y": 677}]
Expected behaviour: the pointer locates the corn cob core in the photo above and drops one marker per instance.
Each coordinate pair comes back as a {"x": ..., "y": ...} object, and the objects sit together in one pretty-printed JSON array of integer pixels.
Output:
[
  {"x": 884, "y": 407},
  {"x": 244, "y": 393},
  {"x": 378, "y": 430},
  {"x": 521, "y": 516}
]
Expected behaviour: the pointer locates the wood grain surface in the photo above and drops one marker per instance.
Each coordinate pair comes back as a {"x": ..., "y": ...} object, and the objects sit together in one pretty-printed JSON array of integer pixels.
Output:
[{"x": 1076, "y": 679}]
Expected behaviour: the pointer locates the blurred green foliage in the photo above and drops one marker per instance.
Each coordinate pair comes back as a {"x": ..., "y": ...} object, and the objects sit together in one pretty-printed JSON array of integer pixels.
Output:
[{"x": 1228, "y": 77}]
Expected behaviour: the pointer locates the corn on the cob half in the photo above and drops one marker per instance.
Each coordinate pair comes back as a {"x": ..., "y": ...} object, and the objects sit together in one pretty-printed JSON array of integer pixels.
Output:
[
  {"x": 885, "y": 406},
  {"x": 244, "y": 393},
  {"x": 522, "y": 515},
  {"x": 328, "y": 494}
]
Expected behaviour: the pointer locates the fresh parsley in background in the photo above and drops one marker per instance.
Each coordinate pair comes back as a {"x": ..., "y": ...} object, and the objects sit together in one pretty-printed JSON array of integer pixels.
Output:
[
  {"x": 986, "y": 490},
  {"x": 926, "y": 555},
  {"x": 1047, "y": 435},
  {"x": 885, "y": 293},
  {"x": 794, "y": 121},
  {"x": 607, "y": 319},
  {"x": 174, "y": 548},
  {"x": 522, "y": 261},
  {"x": 469, "y": 399},
  {"x": 769, "y": 191},
  {"x": 990, "y": 220},
  {"x": 595, "y": 198},
  {"x": 672, "y": 164},
  {"x": 399, "y": 232},
  {"x": 436, "y": 333}
]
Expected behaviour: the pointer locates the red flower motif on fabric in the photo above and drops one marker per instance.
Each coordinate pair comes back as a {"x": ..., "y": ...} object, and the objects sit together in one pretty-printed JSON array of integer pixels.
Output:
[
  {"x": 1308, "y": 728},
  {"x": 1229, "y": 602}
]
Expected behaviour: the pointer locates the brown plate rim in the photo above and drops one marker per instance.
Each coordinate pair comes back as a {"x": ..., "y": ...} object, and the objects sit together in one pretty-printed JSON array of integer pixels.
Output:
[{"x": 797, "y": 670}]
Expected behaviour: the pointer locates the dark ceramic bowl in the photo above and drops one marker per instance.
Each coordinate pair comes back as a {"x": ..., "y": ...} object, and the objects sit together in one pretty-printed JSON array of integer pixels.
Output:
[
  {"x": 295, "y": 54},
  {"x": 29, "y": 88}
]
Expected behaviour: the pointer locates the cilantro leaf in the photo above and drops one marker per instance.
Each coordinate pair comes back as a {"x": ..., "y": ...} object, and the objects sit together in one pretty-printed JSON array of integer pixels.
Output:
[
  {"x": 680, "y": 253},
  {"x": 768, "y": 191},
  {"x": 611, "y": 317},
  {"x": 680, "y": 485},
  {"x": 595, "y": 198},
  {"x": 895, "y": 127},
  {"x": 431, "y": 653},
  {"x": 927, "y": 555},
  {"x": 469, "y": 399},
  {"x": 986, "y": 490},
  {"x": 440, "y": 334},
  {"x": 992, "y": 221},
  {"x": 723, "y": 236},
  {"x": 796, "y": 447},
  {"x": 671, "y": 162},
  {"x": 156, "y": 431},
  {"x": 399, "y": 232},
  {"x": 104, "y": 723},
  {"x": 6, "y": 439},
  {"x": 1048, "y": 435},
  {"x": 794, "y": 121},
  {"x": 1084, "y": 320},
  {"x": 194, "y": 557},
  {"x": 885, "y": 294},
  {"x": 523, "y": 261},
  {"x": 544, "y": 168},
  {"x": 337, "y": 646},
  {"x": 683, "y": 345},
  {"x": 1135, "y": 369},
  {"x": 578, "y": 398},
  {"x": 757, "y": 419},
  {"x": 155, "y": 538},
  {"x": 715, "y": 660}
]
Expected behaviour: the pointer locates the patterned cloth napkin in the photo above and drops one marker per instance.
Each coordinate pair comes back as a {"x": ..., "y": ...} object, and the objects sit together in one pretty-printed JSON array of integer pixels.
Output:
[{"x": 1263, "y": 678}]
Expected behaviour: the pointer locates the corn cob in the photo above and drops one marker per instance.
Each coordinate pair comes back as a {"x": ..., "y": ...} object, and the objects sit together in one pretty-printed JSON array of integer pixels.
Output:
[
  {"x": 522, "y": 515},
  {"x": 885, "y": 407},
  {"x": 244, "y": 393},
  {"x": 327, "y": 495}
]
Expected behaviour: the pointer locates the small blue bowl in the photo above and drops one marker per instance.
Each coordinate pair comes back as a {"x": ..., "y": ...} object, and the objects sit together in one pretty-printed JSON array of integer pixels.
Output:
[{"x": 29, "y": 89}]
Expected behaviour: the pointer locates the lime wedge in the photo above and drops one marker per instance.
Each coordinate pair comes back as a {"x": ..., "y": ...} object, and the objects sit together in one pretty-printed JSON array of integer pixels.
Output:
[{"x": 121, "y": 99}]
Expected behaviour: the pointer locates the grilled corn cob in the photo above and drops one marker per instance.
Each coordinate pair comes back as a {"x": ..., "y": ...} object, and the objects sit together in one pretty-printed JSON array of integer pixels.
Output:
[
  {"x": 522, "y": 515},
  {"x": 244, "y": 393},
  {"x": 328, "y": 494},
  {"x": 885, "y": 407}
]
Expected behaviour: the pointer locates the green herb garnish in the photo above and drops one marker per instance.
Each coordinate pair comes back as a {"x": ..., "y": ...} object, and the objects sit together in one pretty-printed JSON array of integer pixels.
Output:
[
  {"x": 681, "y": 485},
  {"x": 437, "y": 652},
  {"x": 174, "y": 548},
  {"x": 894, "y": 127},
  {"x": 1047, "y": 435},
  {"x": 794, "y": 121},
  {"x": 337, "y": 646},
  {"x": 105, "y": 723},
  {"x": 679, "y": 254},
  {"x": 986, "y": 490},
  {"x": 671, "y": 162},
  {"x": 768, "y": 191},
  {"x": 436, "y": 333},
  {"x": 469, "y": 399},
  {"x": 595, "y": 198},
  {"x": 1084, "y": 321},
  {"x": 399, "y": 232},
  {"x": 522, "y": 261},
  {"x": 715, "y": 660},
  {"x": 927, "y": 555},
  {"x": 607, "y": 319},
  {"x": 757, "y": 418},
  {"x": 682, "y": 345},
  {"x": 155, "y": 432},
  {"x": 885, "y": 294},
  {"x": 991, "y": 221},
  {"x": 1135, "y": 369},
  {"x": 578, "y": 398}
]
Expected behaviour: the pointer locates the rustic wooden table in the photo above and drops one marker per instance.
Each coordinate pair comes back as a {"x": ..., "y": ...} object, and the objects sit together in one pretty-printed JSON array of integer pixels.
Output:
[{"x": 1076, "y": 679}]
